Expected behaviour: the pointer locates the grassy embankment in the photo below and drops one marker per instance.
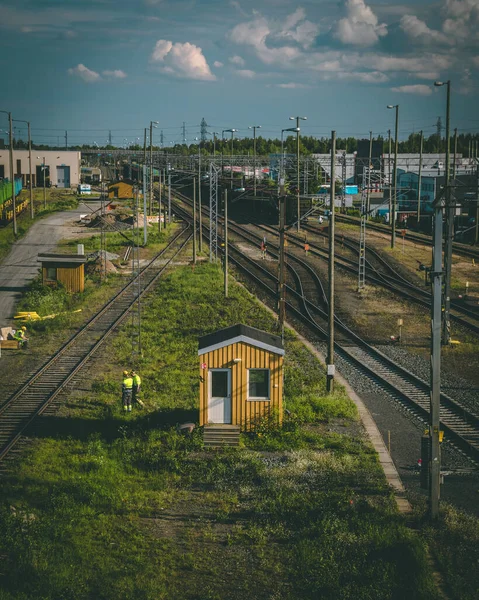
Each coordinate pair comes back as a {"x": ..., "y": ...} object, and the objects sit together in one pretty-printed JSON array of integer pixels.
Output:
[
  {"x": 107, "y": 505},
  {"x": 57, "y": 200}
]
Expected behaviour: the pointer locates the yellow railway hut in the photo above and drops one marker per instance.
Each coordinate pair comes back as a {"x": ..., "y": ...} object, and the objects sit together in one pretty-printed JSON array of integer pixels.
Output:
[
  {"x": 122, "y": 190},
  {"x": 66, "y": 269},
  {"x": 241, "y": 377}
]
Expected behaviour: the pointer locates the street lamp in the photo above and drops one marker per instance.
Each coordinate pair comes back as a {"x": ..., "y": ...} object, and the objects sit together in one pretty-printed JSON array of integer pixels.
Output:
[
  {"x": 254, "y": 128},
  {"x": 12, "y": 178},
  {"x": 232, "y": 131},
  {"x": 446, "y": 326},
  {"x": 44, "y": 170},
  {"x": 395, "y": 171},
  {"x": 153, "y": 124},
  {"x": 295, "y": 129},
  {"x": 29, "y": 162},
  {"x": 297, "y": 153}
]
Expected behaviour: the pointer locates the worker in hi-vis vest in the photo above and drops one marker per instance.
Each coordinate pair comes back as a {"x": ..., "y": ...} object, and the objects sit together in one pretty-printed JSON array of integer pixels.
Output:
[
  {"x": 136, "y": 388},
  {"x": 127, "y": 391}
]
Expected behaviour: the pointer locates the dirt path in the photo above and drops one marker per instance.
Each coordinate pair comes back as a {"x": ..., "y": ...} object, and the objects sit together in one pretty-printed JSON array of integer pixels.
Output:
[{"x": 20, "y": 266}]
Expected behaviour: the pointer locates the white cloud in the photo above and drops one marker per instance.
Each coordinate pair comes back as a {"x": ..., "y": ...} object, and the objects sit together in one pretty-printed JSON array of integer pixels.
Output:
[
  {"x": 181, "y": 60},
  {"x": 360, "y": 26},
  {"x": 291, "y": 85},
  {"x": 84, "y": 73},
  {"x": 116, "y": 74},
  {"x": 417, "y": 29},
  {"x": 254, "y": 33},
  {"x": 218, "y": 64},
  {"x": 419, "y": 89},
  {"x": 237, "y": 60},
  {"x": 297, "y": 28},
  {"x": 245, "y": 73},
  {"x": 362, "y": 76}
]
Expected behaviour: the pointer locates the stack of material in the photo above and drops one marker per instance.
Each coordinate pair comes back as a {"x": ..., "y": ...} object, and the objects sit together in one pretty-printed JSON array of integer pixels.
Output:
[{"x": 6, "y": 339}]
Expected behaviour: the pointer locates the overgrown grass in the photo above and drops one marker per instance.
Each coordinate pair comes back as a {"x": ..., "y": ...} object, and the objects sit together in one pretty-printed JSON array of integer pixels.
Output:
[{"x": 107, "y": 505}]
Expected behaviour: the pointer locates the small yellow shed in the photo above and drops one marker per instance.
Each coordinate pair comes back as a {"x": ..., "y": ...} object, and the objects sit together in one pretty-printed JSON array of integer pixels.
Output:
[
  {"x": 123, "y": 190},
  {"x": 241, "y": 377},
  {"x": 67, "y": 269}
]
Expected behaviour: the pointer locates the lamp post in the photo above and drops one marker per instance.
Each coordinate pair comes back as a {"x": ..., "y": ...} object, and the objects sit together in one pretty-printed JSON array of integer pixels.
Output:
[
  {"x": 214, "y": 134},
  {"x": 44, "y": 170},
  {"x": 232, "y": 131},
  {"x": 29, "y": 162},
  {"x": 296, "y": 130},
  {"x": 395, "y": 172},
  {"x": 12, "y": 178},
  {"x": 254, "y": 128},
  {"x": 446, "y": 325},
  {"x": 297, "y": 156},
  {"x": 153, "y": 124}
]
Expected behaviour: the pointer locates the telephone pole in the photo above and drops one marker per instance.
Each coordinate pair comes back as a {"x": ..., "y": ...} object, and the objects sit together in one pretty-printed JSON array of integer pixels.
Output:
[
  {"x": 297, "y": 165},
  {"x": 194, "y": 220},
  {"x": 226, "y": 243},
  {"x": 395, "y": 173},
  {"x": 419, "y": 179},
  {"x": 330, "y": 358}
]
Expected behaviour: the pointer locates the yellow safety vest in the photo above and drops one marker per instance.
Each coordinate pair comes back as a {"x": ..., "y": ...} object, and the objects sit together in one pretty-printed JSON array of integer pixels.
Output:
[
  {"x": 137, "y": 380},
  {"x": 128, "y": 383}
]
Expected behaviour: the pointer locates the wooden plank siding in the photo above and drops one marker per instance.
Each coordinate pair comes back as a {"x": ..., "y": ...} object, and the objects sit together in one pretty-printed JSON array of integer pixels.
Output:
[
  {"x": 72, "y": 278},
  {"x": 244, "y": 412}
]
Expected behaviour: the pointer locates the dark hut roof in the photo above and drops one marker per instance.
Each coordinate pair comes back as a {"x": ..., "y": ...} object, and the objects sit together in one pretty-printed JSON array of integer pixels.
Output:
[{"x": 240, "y": 333}]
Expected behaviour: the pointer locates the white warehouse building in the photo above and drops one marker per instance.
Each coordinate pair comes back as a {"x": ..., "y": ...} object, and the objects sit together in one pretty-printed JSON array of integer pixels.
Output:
[{"x": 62, "y": 167}]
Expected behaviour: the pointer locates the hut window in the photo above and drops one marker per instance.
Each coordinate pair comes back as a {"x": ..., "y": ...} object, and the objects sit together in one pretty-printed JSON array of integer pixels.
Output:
[
  {"x": 51, "y": 274},
  {"x": 258, "y": 384}
]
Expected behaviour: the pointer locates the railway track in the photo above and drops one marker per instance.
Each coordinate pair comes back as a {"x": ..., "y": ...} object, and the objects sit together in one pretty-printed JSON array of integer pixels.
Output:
[
  {"x": 461, "y": 249},
  {"x": 307, "y": 303},
  {"x": 41, "y": 389},
  {"x": 388, "y": 278}
]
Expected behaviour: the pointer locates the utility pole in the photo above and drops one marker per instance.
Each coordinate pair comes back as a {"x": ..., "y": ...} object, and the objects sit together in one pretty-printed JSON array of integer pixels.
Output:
[
  {"x": 330, "y": 358},
  {"x": 29, "y": 163},
  {"x": 435, "y": 374},
  {"x": 66, "y": 139},
  {"x": 419, "y": 179},
  {"x": 368, "y": 193},
  {"x": 144, "y": 157},
  {"x": 109, "y": 137},
  {"x": 12, "y": 176},
  {"x": 145, "y": 222},
  {"x": 200, "y": 223},
  {"x": 395, "y": 172},
  {"x": 446, "y": 326},
  {"x": 184, "y": 132},
  {"x": 152, "y": 124},
  {"x": 389, "y": 176},
  {"x": 254, "y": 128},
  {"x": 455, "y": 155},
  {"x": 169, "y": 198},
  {"x": 162, "y": 182},
  {"x": 226, "y": 243},
  {"x": 297, "y": 166},
  {"x": 281, "y": 265},
  {"x": 44, "y": 183},
  {"x": 194, "y": 220}
]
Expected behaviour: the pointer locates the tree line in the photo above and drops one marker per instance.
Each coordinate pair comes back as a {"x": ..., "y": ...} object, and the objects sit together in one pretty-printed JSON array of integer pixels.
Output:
[{"x": 264, "y": 146}]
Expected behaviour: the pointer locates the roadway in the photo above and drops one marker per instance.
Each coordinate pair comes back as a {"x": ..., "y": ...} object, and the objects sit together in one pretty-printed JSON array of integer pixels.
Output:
[{"x": 20, "y": 266}]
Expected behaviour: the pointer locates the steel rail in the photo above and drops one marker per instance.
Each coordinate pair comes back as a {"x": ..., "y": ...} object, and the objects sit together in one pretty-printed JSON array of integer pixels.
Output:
[
  {"x": 460, "y": 424},
  {"x": 35, "y": 396}
]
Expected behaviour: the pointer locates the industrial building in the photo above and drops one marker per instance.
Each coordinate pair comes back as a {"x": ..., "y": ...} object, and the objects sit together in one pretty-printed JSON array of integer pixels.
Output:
[{"x": 62, "y": 167}]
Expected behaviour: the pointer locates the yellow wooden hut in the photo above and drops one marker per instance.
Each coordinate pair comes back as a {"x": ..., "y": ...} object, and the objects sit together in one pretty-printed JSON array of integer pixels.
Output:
[
  {"x": 123, "y": 190},
  {"x": 241, "y": 377},
  {"x": 67, "y": 269}
]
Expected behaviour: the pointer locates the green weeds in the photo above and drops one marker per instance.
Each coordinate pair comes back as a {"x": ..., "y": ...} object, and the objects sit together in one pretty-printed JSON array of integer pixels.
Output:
[{"x": 112, "y": 505}]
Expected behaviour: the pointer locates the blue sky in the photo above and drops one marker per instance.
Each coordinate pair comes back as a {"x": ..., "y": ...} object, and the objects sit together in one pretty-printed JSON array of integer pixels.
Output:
[{"x": 90, "y": 66}]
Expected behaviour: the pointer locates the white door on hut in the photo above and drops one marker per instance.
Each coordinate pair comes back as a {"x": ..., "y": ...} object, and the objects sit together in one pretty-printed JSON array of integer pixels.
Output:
[{"x": 219, "y": 396}]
